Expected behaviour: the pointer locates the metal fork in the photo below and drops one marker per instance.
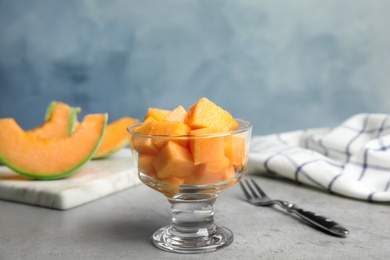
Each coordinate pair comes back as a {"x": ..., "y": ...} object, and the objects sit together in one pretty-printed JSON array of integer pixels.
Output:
[{"x": 256, "y": 196}]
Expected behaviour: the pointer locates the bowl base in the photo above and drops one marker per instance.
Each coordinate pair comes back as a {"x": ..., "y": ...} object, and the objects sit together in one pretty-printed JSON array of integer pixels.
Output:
[{"x": 198, "y": 243}]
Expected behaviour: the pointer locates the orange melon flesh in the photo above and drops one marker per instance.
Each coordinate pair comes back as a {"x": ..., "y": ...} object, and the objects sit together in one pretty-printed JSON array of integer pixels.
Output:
[
  {"x": 207, "y": 149},
  {"x": 173, "y": 180},
  {"x": 173, "y": 160},
  {"x": 143, "y": 145},
  {"x": 49, "y": 158},
  {"x": 146, "y": 127},
  {"x": 172, "y": 184},
  {"x": 209, "y": 172},
  {"x": 178, "y": 114},
  {"x": 235, "y": 149},
  {"x": 139, "y": 143},
  {"x": 145, "y": 164},
  {"x": 205, "y": 113},
  {"x": 153, "y": 127},
  {"x": 115, "y": 137},
  {"x": 60, "y": 121},
  {"x": 157, "y": 113},
  {"x": 170, "y": 128},
  {"x": 228, "y": 172}
]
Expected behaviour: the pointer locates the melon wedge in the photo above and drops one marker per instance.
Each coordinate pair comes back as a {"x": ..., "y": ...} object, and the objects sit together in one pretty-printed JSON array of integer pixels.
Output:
[
  {"x": 115, "y": 137},
  {"x": 49, "y": 158},
  {"x": 60, "y": 121}
]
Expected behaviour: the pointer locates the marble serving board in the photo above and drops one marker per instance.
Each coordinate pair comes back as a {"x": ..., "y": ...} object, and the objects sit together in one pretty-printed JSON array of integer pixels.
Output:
[{"x": 94, "y": 180}]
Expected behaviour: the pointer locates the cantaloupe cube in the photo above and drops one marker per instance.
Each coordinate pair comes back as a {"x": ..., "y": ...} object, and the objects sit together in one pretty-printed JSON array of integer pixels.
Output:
[
  {"x": 167, "y": 128},
  {"x": 206, "y": 149},
  {"x": 178, "y": 114},
  {"x": 153, "y": 128},
  {"x": 205, "y": 113},
  {"x": 235, "y": 149},
  {"x": 172, "y": 186},
  {"x": 228, "y": 172},
  {"x": 170, "y": 128},
  {"x": 143, "y": 145},
  {"x": 157, "y": 113},
  {"x": 173, "y": 180},
  {"x": 145, "y": 164},
  {"x": 210, "y": 172},
  {"x": 173, "y": 160},
  {"x": 146, "y": 127}
]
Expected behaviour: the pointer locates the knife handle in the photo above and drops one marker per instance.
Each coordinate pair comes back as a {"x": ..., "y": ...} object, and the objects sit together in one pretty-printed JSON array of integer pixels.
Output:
[{"x": 316, "y": 220}]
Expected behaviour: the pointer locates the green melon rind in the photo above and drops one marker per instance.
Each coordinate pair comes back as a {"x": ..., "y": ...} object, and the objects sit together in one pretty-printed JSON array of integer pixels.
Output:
[
  {"x": 52, "y": 176},
  {"x": 121, "y": 145},
  {"x": 49, "y": 109},
  {"x": 72, "y": 116}
]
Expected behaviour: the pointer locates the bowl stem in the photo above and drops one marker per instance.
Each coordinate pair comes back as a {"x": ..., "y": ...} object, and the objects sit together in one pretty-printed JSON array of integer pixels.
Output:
[{"x": 193, "y": 229}]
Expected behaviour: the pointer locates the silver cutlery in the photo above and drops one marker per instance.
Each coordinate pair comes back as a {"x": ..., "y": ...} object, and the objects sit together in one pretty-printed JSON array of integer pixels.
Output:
[{"x": 256, "y": 196}]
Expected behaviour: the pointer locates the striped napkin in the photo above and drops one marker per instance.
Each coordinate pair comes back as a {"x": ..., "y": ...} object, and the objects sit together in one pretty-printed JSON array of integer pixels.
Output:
[{"x": 352, "y": 159}]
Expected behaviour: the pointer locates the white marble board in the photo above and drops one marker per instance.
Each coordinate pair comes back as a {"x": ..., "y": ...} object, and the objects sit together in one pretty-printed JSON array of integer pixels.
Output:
[{"x": 94, "y": 180}]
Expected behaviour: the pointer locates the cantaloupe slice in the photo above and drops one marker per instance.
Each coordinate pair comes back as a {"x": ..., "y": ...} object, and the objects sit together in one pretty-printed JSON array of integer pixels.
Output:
[
  {"x": 60, "y": 121},
  {"x": 115, "y": 137},
  {"x": 49, "y": 158},
  {"x": 205, "y": 113}
]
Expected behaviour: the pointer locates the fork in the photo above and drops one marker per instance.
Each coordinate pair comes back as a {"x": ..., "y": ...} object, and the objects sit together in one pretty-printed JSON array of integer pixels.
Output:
[{"x": 256, "y": 196}]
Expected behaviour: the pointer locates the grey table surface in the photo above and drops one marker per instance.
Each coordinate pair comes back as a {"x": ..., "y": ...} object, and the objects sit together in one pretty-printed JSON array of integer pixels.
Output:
[{"x": 119, "y": 227}]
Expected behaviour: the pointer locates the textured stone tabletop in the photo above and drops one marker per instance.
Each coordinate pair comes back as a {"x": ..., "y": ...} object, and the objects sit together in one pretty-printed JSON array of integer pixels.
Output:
[{"x": 119, "y": 226}]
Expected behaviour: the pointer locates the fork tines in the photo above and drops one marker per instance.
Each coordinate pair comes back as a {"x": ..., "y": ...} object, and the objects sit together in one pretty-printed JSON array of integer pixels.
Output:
[{"x": 255, "y": 193}]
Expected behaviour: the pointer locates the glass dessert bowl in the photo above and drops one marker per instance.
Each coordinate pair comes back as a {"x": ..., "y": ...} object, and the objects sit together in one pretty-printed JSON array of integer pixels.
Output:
[{"x": 191, "y": 170}]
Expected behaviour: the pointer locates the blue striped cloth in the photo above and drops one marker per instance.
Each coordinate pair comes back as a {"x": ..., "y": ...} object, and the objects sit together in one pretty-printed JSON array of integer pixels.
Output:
[{"x": 352, "y": 159}]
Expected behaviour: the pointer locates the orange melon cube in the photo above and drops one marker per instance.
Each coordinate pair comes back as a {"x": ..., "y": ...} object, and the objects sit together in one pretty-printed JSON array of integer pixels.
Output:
[
  {"x": 156, "y": 113},
  {"x": 178, "y": 114},
  {"x": 146, "y": 127},
  {"x": 145, "y": 164},
  {"x": 206, "y": 149},
  {"x": 235, "y": 149},
  {"x": 142, "y": 145},
  {"x": 209, "y": 172},
  {"x": 169, "y": 129},
  {"x": 173, "y": 180},
  {"x": 173, "y": 160},
  {"x": 228, "y": 172},
  {"x": 154, "y": 127},
  {"x": 205, "y": 113},
  {"x": 172, "y": 185}
]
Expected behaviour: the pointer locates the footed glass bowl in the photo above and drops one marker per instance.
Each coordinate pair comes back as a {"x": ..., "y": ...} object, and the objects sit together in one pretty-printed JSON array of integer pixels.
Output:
[{"x": 190, "y": 171}]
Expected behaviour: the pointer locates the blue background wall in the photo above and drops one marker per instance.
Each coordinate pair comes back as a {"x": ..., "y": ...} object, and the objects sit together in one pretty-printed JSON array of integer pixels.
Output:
[{"x": 284, "y": 65}]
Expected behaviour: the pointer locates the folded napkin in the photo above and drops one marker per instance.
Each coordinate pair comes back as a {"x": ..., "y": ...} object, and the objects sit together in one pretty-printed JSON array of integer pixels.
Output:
[{"x": 352, "y": 159}]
